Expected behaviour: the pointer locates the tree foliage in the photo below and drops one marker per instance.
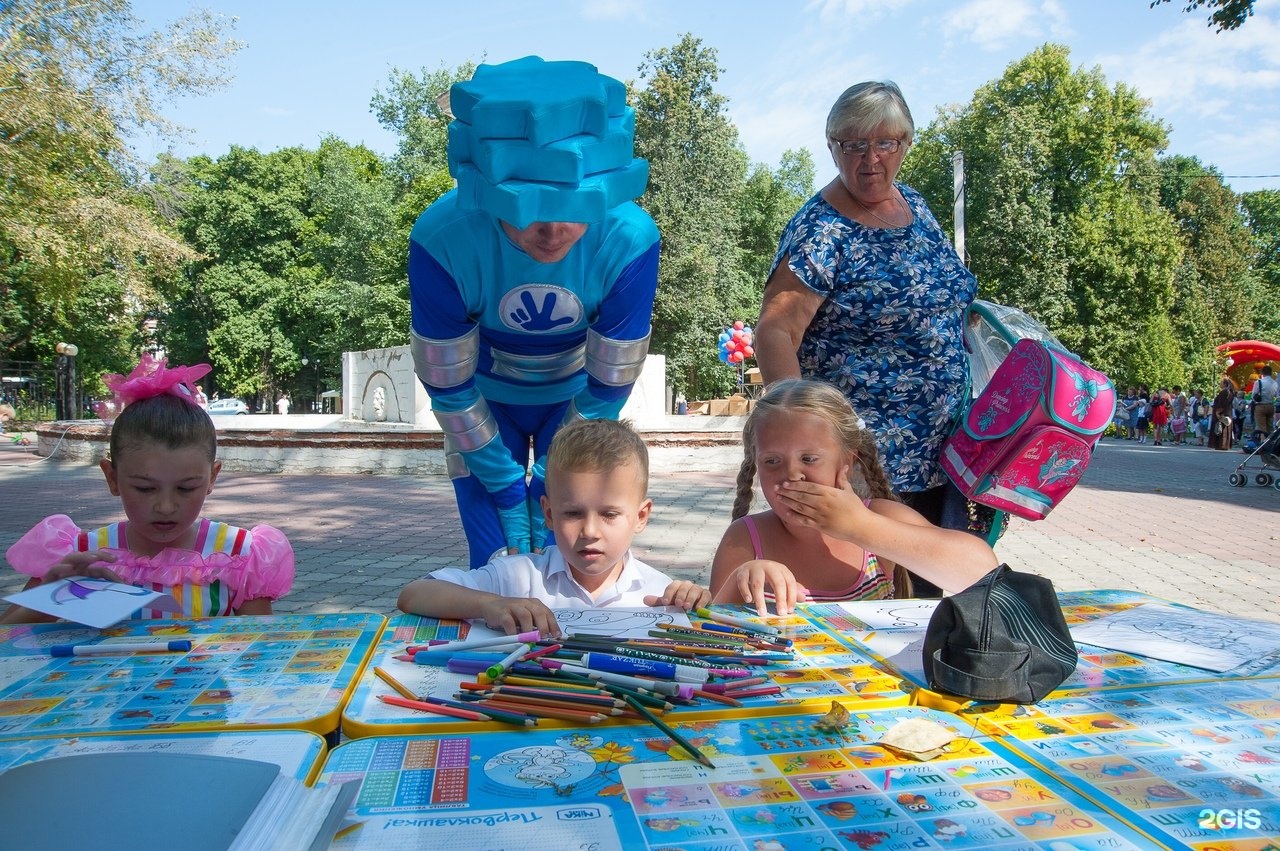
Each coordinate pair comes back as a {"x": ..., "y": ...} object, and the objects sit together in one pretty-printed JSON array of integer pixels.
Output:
[
  {"x": 300, "y": 257},
  {"x": 77, "y": 241},
  {"x": 1063, "y": 215},
  {"x": 1226, "y": 15},
  {"x": 697, "y": 169}
]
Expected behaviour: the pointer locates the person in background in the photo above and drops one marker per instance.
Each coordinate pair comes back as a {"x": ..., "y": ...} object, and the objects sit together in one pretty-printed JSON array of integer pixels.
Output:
[
  {"x": 866, "y": 293},
  {"x": 834, "y": 530},
  {"x": 531, "y": 286},
  {"x": 1130, "y": 405},
  {"x": 1265, "y": 392},
  {"x": 596, "y": 501},
  {"x": 1178, "y": 409},
  {"x": 1220, "y": 433},
  {"x": 1158, "y": 413},
  {"x": 162, "y": 466}
]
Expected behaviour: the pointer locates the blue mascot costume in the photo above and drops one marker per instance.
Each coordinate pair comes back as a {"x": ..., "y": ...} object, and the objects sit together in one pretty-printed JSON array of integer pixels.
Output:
[{"x": 531, "y": 283}]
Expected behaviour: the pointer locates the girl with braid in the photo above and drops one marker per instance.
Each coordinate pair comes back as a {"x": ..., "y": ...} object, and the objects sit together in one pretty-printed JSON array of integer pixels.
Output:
[{"x": 834, "y": 530}]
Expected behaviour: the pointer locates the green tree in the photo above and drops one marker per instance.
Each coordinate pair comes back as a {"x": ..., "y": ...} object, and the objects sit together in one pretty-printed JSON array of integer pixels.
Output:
[
  {"x": 1217, "y": 289},
  {"x": 769, "y": 199},
  {"x": 77, "y": 241},
  {"x": 1062, "y": 216},
  {"x": 415, "y": 108},
  {"x": 1262, "y": 214},
  {"x": 697, "y": 169}
]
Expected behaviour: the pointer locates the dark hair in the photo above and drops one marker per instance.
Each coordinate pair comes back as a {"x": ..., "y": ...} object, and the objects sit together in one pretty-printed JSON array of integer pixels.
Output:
[
  {"x": 593, "y": 446},
  {"x": 172, "y": 422}
]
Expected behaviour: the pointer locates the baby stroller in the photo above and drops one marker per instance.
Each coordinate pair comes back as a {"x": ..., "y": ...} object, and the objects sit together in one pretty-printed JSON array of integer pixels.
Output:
[{"x": 1268, "y": 455}]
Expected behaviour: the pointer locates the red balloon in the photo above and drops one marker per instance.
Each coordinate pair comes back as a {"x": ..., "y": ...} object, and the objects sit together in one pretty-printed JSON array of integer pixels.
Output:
[{"x": 736, "y": 357}]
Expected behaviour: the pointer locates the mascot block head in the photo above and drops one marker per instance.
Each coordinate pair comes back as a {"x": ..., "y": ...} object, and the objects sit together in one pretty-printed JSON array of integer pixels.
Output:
[{"x": 537, "y": 141}]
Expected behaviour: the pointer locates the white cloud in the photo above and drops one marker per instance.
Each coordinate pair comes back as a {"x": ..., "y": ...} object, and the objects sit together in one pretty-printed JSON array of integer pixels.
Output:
[
  {"x": 995, "y": 24},
  {"x": 613, "y": 10}
]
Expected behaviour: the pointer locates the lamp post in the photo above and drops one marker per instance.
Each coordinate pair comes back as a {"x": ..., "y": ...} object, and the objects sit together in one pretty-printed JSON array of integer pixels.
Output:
[{"x": 68, "y": 402}]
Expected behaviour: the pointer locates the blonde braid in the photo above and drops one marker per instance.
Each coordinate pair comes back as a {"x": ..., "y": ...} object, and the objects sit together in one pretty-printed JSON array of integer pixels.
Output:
[{"x": 746, "y": 486}]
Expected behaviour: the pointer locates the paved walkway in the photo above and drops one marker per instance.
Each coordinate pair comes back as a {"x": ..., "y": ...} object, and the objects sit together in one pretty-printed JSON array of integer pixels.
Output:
[{"x": 1162, "y": 520}]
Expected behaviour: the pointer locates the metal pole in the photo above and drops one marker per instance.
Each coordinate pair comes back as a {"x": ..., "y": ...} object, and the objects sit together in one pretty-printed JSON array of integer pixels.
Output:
[{"x": 957, "y": 188}]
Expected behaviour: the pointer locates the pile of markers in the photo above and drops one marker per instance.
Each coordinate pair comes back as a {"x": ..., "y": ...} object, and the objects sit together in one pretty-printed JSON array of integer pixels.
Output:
[{"x": 587, "y": 678}]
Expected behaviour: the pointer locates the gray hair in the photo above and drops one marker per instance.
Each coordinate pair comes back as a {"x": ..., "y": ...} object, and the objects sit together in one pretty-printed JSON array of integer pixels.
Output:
[{"x": 863, "y": 107}]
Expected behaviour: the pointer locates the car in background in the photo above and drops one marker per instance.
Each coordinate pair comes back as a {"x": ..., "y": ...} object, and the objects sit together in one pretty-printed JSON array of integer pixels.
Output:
[{"x": 227, "y": 406}]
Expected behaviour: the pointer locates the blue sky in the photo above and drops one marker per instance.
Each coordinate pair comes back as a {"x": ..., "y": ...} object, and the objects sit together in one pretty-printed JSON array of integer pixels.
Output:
[{"x": 309, "y": 68}]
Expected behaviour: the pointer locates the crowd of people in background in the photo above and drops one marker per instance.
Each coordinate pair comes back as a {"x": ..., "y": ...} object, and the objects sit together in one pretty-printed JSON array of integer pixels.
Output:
[{"x": 1168, "y": 416}]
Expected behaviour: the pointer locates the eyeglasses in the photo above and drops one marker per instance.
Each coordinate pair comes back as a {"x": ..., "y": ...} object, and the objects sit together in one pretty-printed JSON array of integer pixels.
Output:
[{"x": 860, "y": 147}]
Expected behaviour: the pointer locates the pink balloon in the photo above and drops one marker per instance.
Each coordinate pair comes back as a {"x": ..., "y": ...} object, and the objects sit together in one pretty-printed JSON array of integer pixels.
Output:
[
  {"x": 736, "y": 357},
  {"x": 730, "y": 345},
  {"x": 739, "y": 325},
  {"x": 749, "y": 352}
]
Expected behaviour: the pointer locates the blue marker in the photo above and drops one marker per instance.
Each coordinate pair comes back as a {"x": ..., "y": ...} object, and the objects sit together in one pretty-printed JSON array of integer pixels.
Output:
[
  {"x": 181, "y": 646},
  {"x": 644, "y": 668}
]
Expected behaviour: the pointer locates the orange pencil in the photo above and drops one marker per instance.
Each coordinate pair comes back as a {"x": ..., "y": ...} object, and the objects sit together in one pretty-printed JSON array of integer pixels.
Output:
[{"x": 433, "y": 707}]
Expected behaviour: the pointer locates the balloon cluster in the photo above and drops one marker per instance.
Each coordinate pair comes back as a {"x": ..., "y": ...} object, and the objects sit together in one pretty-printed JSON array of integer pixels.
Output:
[{"x": 735, "y": 343}]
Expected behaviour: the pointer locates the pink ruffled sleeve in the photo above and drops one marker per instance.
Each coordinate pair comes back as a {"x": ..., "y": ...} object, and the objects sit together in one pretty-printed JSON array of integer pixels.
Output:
[
  {"x": 269, "y": 571},
  {"x": 48, "y": 542}
]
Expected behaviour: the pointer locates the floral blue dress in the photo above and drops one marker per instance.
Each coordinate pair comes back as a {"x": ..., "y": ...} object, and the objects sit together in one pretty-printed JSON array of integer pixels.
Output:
[{"x": 890, "y": 333}]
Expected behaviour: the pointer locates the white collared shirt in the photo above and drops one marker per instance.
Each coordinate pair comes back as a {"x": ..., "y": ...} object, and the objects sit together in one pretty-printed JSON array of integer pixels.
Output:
[{"x": 546, "y": 577}]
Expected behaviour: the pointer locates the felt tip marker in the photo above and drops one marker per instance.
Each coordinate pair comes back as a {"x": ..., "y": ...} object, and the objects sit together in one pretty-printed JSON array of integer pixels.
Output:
[
  {"x": 751, "y": 626},
  {"x": 499, "y": 668},
  {"x": 644, "y": 668},
  {"x": 666, "y": 687},
  {"x": 475, "y": 643},
  {"x": 181, "y": 646}
]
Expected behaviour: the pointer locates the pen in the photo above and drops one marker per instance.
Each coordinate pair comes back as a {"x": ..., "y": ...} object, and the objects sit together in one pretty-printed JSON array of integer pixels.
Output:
[
  {"x": 395, "y": 684},
  {"x": 181, "y": 646},
  {"x": 671, "y": 733},
  {"x": 751, "y": 626}
]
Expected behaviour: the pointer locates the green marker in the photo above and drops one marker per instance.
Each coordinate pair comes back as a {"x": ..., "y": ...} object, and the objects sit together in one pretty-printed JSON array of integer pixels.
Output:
[{"x": 499, "y": 668}]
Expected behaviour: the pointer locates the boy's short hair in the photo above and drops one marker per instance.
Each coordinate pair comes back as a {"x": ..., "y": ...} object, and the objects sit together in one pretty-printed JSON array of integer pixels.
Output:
[{"x": 591, "y": 446}]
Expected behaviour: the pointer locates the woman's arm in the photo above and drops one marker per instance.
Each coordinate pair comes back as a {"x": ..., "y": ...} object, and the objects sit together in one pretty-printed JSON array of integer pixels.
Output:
[
  {"x": 951, "y": 559},
  {"x": 788, "y": 308}
]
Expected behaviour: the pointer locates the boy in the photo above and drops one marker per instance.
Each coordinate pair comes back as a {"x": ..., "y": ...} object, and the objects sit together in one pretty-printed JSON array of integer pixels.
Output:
[{"x": 597, "y": 479}]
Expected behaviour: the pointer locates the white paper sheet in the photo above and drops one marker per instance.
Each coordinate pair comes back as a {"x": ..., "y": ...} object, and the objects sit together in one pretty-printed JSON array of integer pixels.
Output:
[
  {"x": 93, "y": 602},
  {"x": 1205, "y": 640}
]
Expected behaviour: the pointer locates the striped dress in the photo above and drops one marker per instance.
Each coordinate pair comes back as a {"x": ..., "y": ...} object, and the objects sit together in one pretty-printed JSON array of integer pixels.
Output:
[
  {"x": 871, "y": 583},
  {"x": 227, "y": 566}
]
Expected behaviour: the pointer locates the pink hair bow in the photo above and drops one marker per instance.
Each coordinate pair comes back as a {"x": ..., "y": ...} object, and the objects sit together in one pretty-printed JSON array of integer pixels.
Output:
[{"x": 151, "y": 377}]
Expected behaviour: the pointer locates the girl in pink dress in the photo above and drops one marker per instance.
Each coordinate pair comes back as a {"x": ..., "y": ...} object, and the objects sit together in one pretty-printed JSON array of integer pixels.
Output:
[
  {"x": 162, "y": 466},
  {"x": 825, "y": 537}
]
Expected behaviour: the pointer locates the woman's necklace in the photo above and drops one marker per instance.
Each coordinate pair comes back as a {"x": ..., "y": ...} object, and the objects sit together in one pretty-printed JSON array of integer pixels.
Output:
[{"x": 881, "y": 219}]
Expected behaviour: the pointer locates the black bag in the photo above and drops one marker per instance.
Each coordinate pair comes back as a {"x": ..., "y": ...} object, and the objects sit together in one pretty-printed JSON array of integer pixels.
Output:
[{"x": 1002, "y": 639}]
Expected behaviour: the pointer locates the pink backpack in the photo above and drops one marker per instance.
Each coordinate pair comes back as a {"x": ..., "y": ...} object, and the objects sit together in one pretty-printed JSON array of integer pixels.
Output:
[{"x": 1027, "y": 439}]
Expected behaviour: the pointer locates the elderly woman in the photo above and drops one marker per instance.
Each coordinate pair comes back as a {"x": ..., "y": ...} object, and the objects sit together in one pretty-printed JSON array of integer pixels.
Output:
[{"x": 867, "y": 294}]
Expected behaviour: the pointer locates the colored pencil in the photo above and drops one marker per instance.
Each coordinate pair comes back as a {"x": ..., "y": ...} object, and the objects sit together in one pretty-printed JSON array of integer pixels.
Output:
[
  {"x": 670, "y": 732},
  {"x": 535, "y": 702},
  {"x": 718, "y": 698},
  {"x": 395, "y": 684},
  {"x": 754, "y": 692},
  {"x": 505, "y": 707},
  {"x": 505, "y": 717},
  {"x": 751, "y": 626},
  {"x": 473, "y": 643},
  {"x": 421, "y": 706}
]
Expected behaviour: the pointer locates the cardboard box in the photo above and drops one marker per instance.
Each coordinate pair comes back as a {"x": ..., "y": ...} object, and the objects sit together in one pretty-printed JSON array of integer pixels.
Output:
[
  {"x": 719, "y": 408},
  {"x": 737, "y": 406}
]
